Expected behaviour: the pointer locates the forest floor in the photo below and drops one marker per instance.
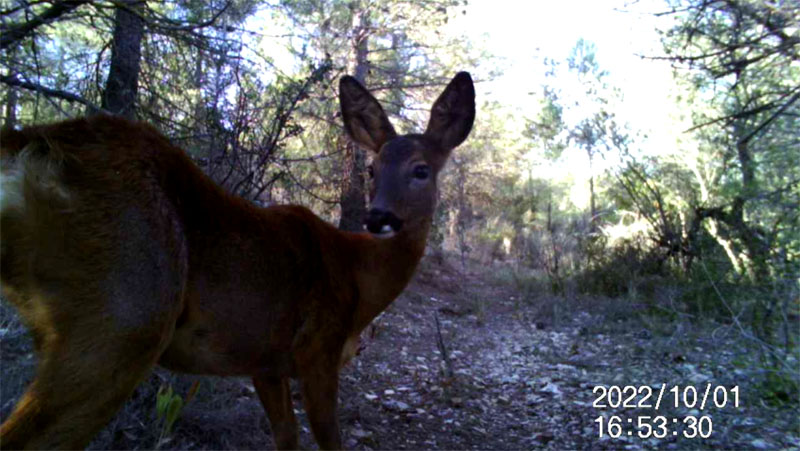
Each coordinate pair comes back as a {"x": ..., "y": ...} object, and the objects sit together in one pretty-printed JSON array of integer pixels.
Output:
[{"x": 522, "y": 374}]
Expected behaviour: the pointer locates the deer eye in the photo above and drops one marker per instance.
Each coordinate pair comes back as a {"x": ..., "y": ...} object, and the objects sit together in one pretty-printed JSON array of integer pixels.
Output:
[
  {"x": 422, "y": 172},
  {"x": 370, "y": 172}
]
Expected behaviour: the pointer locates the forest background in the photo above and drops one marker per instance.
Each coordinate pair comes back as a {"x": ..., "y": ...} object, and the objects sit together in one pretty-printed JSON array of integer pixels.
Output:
[{"x": 645, "y": 151}]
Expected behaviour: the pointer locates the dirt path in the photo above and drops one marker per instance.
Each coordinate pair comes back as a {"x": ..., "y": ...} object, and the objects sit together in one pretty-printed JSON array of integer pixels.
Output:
[{"x": 523, "y": 375}]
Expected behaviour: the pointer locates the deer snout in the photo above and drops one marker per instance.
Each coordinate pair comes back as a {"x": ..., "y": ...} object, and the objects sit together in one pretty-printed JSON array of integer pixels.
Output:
[{"x": 382, "y": 223}]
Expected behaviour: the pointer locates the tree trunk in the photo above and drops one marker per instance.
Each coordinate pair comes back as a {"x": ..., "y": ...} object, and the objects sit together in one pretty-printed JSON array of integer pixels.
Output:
[
  {"x": 353, "y": 199},
  {"x": 11, "y": 102},
  {"x": 592, "y": 202},
  {"x": 11, "y": 108},
  {"x": 464, "y": 212},
  {"x": 123, "y": 77}
]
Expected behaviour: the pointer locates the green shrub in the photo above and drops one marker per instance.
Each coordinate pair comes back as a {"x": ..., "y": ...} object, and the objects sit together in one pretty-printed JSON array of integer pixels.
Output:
[{"x": 618, "y": 270}]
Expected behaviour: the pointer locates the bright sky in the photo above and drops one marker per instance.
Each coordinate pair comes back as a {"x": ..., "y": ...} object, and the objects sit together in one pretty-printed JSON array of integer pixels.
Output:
[{"x": 524, "y": 33}]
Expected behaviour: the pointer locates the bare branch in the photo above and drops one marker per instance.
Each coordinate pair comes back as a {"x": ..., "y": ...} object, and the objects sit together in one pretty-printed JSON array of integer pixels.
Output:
[
  {"x": 50, "y": 92},
  {"x": 14, "y": 33},
  {"x": 769, "y": 120}
]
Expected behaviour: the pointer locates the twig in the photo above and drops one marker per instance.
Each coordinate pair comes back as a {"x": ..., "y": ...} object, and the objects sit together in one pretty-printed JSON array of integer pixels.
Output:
[
  {"x": 448, "y": 366},
  {"x": 771, "y": 350}
]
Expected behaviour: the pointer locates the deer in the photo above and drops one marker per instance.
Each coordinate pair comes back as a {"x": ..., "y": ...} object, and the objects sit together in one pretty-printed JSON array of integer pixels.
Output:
[{"x": 120, "y": 254}]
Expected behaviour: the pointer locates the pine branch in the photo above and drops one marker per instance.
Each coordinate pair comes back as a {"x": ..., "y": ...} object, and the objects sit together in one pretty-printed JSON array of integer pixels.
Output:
[{"x": 14, "y": 33}]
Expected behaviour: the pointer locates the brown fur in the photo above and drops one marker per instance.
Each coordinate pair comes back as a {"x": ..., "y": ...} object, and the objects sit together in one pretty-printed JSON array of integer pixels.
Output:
[{"x": 120, "y": 253}]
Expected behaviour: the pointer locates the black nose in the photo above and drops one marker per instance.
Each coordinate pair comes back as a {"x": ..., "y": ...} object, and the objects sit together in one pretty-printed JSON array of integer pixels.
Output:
[{"x": 378, "y": 219}]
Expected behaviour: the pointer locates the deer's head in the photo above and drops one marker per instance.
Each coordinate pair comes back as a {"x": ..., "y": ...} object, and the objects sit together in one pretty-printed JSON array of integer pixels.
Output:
[{"x": 403, "y": 173}]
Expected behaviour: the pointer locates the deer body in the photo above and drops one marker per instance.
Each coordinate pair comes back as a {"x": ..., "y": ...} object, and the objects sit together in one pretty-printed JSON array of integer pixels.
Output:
[
  {"x": 336, "y": 300},
  {"x": 121, "y": 254}
]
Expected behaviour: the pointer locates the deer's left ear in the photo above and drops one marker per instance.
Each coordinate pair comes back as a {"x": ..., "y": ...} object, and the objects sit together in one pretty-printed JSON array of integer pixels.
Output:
[
  {"x": 364, "y": 119},
  {"x": 453, "y": 113}
]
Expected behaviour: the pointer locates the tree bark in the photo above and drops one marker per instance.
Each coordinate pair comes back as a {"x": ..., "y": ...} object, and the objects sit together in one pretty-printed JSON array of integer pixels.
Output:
[
  {"x": 11, "y": 108},
  {"x": 353, "y": 200},
  {"x": 10, "y": 119},
  {"x": 122, "y": 85}
]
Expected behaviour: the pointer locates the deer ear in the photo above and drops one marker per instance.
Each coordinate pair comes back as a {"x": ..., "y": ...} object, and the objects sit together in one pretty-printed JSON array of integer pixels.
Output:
[
  {"x": 364, "y": 119},
  {"x": 453, "y": 113}
]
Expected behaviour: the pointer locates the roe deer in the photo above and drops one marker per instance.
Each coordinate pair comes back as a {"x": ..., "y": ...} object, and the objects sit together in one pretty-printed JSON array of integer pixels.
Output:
[{"x": 120, "y": 254}]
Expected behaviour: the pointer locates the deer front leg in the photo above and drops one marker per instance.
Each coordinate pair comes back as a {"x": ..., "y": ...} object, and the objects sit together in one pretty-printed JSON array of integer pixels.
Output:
[
  {"x": 320, "y": 389},
  {"x": 276, "y": 397}
]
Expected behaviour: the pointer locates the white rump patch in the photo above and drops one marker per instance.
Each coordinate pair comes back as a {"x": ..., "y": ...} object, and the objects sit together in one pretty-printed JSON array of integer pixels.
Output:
[
  {"x": 11, "y": 184},
  {"x": 29, "y": 177}
]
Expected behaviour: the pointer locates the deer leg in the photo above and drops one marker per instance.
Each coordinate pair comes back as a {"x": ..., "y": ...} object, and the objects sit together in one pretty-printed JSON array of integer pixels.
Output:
[
  {"x": 102, "y": 312},
  {"x": 276, "y": 398},
  {"x": 79, "y": 386},
  {"x": 320, "y": 390}
]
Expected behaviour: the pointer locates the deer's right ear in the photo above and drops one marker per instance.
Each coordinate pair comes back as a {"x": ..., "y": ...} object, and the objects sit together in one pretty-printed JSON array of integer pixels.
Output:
[{"x": 364, "y": 119}]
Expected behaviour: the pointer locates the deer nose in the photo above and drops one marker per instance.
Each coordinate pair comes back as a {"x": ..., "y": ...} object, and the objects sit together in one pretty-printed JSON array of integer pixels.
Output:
[{"x": 382, "y": 222}]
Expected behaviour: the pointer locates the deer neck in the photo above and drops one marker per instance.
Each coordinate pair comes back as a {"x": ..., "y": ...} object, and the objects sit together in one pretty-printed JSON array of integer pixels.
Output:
[{"x": 385, "y": 268}]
